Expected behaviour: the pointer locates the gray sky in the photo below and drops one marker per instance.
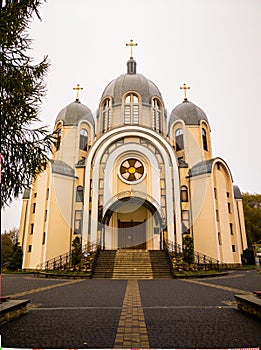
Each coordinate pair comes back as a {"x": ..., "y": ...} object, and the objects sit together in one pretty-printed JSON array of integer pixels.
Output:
[{"x": 212, "y": 45}]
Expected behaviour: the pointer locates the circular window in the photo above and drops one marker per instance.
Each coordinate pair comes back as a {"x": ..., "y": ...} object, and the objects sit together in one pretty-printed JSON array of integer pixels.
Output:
[{"x": 132, "y": 170}]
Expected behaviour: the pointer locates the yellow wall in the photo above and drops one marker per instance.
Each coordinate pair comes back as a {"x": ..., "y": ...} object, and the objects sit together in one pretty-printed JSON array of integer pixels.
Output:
[
  {"x": 240, "y": 223},
  {"x": 193, "y": 152},
  {"x": 53, "y": 215},
  {"x": 23, "y": 222},
  {"x": 221, "y": 182},
  {"x": 203, "y": 217},
  {"x": 38, "y": 196},
  {"x": 60, "y": 219}
]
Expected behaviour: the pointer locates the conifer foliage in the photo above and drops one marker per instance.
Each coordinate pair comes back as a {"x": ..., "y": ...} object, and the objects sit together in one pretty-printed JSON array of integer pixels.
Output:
[
  {"x": 76, "y": 251},
  {"x": 24, "y": 148},
  {"x": 252, "y": 212}
]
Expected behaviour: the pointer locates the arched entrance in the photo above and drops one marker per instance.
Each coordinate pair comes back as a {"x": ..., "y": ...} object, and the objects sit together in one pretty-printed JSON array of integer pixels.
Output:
[{"x": 134, "y": 221}]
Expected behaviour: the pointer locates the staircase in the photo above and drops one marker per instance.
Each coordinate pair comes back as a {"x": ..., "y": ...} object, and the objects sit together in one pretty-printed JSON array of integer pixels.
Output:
[
  {"x": 105, "y": 264},
  {"x": 127, "y": 264},
  {"x": 159, "y": 264}
]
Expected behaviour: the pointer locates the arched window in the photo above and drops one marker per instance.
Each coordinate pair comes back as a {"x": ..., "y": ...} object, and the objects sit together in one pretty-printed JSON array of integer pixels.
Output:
[
  {"x": 185, "y": 221},
  {"x": 156, "y": 114},
  {"x": 131, "y": 109},
  {"x": 184, "y": 194},
  {"x": 204, "y": 140},
  {"x": 83, "y": 139},
  {"x": 179, "y": 140},
  {"x": 79, "y": 194},
  {"x": 106, "y": 114},
  {"x": 77, "y": 222}
]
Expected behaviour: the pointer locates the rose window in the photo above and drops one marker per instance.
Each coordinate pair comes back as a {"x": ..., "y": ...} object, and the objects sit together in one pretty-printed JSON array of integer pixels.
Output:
[{"x": 131, "y": 170}]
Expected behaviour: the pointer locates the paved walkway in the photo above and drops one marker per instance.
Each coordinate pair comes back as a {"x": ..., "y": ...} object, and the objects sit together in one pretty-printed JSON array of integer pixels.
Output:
[
  {"x": 198, "y": 313},
  {"x": 132, "y": 331}
]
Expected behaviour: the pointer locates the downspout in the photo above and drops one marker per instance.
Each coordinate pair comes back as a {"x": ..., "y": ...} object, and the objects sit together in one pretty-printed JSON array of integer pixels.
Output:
[
  {"x": 83, "y": 183},
  {"x": 190, "y": 209},
  {"x": 25, "y": 218},
  {"x": 50, "y": 184},
  {"x": 72, "y": 216},
  {"x": 26, "y": 227},
  {"x": 239, "y": 223}
]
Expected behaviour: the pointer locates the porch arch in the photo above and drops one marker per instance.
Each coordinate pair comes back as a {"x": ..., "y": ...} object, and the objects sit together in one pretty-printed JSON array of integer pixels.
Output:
[{"x": 133, "y": 197}]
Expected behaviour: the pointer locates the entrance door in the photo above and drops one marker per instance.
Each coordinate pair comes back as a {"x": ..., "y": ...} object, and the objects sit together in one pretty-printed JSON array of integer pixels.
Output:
[{"x": 132, "y": 235}]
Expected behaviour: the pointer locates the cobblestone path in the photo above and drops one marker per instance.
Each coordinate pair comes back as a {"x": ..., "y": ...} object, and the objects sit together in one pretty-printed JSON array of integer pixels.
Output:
[{"x": 159, "y": 314}]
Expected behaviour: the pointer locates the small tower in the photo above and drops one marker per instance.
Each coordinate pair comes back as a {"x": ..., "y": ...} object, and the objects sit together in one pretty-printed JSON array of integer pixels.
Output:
[{"x": 189, "y": 131}]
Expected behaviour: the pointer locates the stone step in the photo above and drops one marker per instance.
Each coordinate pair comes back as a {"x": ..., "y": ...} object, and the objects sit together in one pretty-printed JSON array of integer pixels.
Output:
[{"x": 125, "y": 264}]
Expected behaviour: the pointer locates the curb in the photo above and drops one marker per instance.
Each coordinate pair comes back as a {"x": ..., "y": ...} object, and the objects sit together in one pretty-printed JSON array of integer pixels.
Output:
[{"x": 12, "y": 309}]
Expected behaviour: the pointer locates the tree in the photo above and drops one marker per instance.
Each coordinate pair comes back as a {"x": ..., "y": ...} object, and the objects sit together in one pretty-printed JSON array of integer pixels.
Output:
[
  {"x": 16, "y": 258},
  {"x": 76, "y": 251},
  {"x": 6, "y": 249},
  {"x": 188, "y": 249},
  {"x": 24, "y": 148},
  {"x": 252, "y": 212},
  {"x": 12, "y": 234},
  {"x": 248, "y": 256},
  {"x": 8, "y": 240}
]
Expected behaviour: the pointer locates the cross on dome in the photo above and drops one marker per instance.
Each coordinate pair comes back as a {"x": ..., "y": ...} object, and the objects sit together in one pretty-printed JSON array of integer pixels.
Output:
[
  {"x": 77, "y": 89},
  {"x": 131, "y": 44},
  {"x": 185, "y": 88}
]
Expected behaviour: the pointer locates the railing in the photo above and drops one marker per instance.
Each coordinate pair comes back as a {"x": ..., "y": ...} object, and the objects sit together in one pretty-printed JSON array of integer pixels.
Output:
[
  {"x": 94, "y": 262},
  {"x": 173, "y": 247},
  {"x": 64, "y": 261},
  {"x": 194, "y": 262},
  {"x": 169, "y": 260}
]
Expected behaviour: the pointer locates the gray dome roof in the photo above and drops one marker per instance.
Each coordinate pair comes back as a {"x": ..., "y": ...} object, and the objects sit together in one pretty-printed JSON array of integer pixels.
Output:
[
  {"x": 237, "y": 192},
  {"x": 74, "y": 113},
  {"x": 188, "y": 112},
  {"x": 60, "y": 167},
  {"x": 131, "y": 82}
]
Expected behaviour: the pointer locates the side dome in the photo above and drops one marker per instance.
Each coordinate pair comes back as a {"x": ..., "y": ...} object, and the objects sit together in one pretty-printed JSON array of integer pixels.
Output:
[
  {"x": 237, "y": 192},
  {"x": 74, "y": 113},
  {"x": 131, "y": 82},
  {"x": 188, "y": 112}
]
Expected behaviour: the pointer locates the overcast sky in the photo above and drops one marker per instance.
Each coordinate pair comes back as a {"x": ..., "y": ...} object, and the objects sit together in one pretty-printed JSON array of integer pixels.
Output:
[{"x": 212, "y": 45}]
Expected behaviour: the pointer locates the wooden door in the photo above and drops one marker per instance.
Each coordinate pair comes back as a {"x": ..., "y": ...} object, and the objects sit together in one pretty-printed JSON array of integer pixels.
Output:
[{"x": 132, "y": 235}]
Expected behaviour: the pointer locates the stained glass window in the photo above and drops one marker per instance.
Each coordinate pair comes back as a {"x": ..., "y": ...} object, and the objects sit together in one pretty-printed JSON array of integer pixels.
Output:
[{"x": 132, "y": 170}]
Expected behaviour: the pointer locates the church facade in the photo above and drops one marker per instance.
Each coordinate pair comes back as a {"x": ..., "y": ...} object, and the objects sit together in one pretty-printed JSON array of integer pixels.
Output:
[{"x": 132, "y": 178}]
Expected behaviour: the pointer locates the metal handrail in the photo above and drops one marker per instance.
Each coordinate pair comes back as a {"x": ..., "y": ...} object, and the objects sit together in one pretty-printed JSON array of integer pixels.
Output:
[
  {"x": 63, "y": 261},
  {"x": 169, "y": 260},
  {"x": 201, "y": 261},
  {"x": 94, "y": 263}
]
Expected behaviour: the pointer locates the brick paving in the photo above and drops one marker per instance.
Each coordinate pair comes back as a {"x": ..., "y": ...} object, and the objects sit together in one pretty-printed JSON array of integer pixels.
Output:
[
  {"x": 200, "y": 313},
  {"x": 201, "y": 328},
  {"x": 170, "y": 313},
  {"x": 132, "y": 331}
]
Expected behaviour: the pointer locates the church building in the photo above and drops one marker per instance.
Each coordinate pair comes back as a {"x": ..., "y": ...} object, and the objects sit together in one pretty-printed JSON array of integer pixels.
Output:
[{"x": 132, "y": 178}]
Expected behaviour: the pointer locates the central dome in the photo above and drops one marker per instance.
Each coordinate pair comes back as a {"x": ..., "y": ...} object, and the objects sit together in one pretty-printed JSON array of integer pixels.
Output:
[{"x": 131, "y": 82}]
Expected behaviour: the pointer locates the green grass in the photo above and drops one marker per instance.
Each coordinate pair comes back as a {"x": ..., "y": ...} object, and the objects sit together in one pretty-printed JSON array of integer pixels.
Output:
[
  {"x": 198, "y": 273},
  {"x": 17, "y": 272},
  {"x": 212, "y": 272},
  {"x": 244, "y": 267},
  {"x": 51, "y": 273},
  {"x": 66, "y": 273}
]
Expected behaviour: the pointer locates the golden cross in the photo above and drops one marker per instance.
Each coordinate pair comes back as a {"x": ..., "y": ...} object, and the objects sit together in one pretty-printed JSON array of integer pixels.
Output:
[
  {"x": 131, "y": 44},
  {"x": 77, "y": 88},
  {"x": 185, "y": 88}
]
